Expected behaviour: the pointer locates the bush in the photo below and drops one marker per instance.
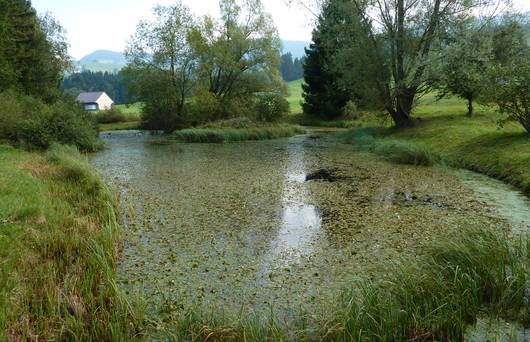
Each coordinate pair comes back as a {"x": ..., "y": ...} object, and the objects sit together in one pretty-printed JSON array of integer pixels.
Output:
[
  {"x": 113, "y": 115},
  {"x": 28, "y": 122},
  {"x": 270, "y": 107}
]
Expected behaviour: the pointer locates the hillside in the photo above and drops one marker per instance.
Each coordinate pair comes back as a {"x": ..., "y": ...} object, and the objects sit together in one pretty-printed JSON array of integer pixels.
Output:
[{"x": 102, "y": 60}]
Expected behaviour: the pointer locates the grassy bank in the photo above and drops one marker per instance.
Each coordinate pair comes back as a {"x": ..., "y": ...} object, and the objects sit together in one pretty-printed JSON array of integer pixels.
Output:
[
  {"x": 432, "y": 298},
  {"x": 228, "y": 134},
  {"x": 443, "y": 132},
  {"x": 58, "y": 245}
]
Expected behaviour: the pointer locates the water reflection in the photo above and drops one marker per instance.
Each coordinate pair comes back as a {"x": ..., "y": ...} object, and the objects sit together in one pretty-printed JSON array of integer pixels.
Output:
[{"x": 301, "y": 222}]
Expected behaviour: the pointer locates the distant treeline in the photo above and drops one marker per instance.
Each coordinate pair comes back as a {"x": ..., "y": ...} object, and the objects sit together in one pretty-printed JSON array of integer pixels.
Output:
[
  {"x": 292, "y": 69},
  {"x": 87, "y": 81}
]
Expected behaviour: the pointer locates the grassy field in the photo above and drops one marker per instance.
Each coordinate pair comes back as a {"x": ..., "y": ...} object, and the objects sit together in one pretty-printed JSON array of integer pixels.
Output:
[
  {"x": 474, "y": 143},
  {"x": 58, "y": 245},
  {"x": 295, "y": 96}
]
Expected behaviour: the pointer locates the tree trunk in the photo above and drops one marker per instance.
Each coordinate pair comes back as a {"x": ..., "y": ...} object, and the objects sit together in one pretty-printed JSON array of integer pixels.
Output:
[
  {"x": 401, "y": 114},
  {"x": 469, "y": 107}
]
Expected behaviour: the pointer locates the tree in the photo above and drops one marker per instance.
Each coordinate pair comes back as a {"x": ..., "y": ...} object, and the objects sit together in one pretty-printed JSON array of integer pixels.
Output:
[
  {"x": 395, "y": 41},
  {"x": 238, "y": 55},
  {"x": 162, "y": 65},
  {"x": 460, "y": 67},
  {"x": 510, "y": 90},
  {"x": 33, "y": 51},
  {"x": 323, "y": 96},
  {"x": 291, "y": 69}
]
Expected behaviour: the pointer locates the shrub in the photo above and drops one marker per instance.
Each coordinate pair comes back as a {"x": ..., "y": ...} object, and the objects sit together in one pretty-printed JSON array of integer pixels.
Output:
[
  {"x": 113, "y": 115},
  {"x": 28, "y": 122},
  {"x": 270, "y": 107}
]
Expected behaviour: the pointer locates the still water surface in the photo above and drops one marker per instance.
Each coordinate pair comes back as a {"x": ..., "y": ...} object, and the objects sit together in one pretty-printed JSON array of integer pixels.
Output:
[{"x": 236, "y": 227}]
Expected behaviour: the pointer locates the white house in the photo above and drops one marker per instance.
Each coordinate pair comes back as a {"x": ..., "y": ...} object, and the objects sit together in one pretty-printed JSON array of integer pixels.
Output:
[{"x": 95, "y": 101}]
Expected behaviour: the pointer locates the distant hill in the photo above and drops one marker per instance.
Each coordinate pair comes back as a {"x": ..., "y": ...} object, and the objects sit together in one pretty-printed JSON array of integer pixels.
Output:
[
  {"x": 102, "y": 60},
  {"x": 295, "y": 47}
]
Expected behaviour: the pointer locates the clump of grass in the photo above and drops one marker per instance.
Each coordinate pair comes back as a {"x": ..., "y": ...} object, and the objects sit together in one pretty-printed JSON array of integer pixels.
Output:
[
  {"x": 58, "y": 259},
  {"x": 399, "y": 151},
  {"x": 404, "y": 152},
  {"x": 220, "y": 135},
  {"x": 436, "y": 298}
]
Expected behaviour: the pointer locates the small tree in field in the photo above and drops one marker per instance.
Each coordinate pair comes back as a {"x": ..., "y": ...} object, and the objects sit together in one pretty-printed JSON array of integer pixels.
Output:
[
  {"x": 462, "y": 65},
  {"x": 510, "y": 90}
]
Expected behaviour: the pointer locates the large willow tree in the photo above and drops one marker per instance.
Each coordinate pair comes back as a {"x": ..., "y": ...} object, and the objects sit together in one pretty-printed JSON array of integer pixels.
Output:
[{"x": 391, "y": 42}]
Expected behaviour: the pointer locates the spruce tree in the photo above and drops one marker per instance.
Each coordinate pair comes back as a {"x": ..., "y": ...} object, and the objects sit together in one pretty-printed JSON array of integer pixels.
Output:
[
  {"x": 324, "y": 98},
  {"x": 33, "y": 51}
]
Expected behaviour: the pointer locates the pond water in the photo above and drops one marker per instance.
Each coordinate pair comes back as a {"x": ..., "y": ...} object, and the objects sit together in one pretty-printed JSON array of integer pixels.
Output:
[{"x": 237, "y": 228}]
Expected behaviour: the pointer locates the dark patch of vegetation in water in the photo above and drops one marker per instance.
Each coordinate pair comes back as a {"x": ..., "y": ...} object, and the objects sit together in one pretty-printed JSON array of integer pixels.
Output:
[
  {"x": 220, "y": 135},
  {"x": 59, "y": 238}
]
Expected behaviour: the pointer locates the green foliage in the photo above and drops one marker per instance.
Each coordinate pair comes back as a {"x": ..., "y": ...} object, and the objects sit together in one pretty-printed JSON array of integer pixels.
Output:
[
  {"x": 220, "y": 135},
  {"x": 33, "y": 51},
  {"x": 29, "y": 122},
  {"x": 461, "y": 66},
  {"x": 398, "y": 151},
  {"x": 290, "y": 69},
  {"x": 438, "y": 297},
  {"x": 509, "y": 89},
  {"x": 271, "y": 107},
  {"x": 162, "y": 66},
  {"x": 188, "y": 71},
  {"x": 324, "y": 98},
  {"x": 114, "y": 115}
]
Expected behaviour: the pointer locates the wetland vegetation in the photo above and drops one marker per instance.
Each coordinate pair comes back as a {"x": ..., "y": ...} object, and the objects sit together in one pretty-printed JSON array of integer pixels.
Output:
[{"x": 357, "y": 230}]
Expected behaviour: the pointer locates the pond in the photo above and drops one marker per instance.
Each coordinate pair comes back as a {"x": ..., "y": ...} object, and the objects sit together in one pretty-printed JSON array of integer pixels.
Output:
[{"x": 278, "y": 226}]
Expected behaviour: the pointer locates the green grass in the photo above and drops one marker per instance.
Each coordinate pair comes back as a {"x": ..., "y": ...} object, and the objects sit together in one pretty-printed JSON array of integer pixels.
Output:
[
  {"x": 220, "y": 135},
  {"x": 295, "y": 96},
  {"x": 477, "y": 143},
  {"x": 58, "y": 245}
]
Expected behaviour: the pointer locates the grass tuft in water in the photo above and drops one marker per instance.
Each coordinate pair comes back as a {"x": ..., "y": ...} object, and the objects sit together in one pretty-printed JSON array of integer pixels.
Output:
[
  {"x": 437, "y": 298},
  {"x": 370, "y": 139},
  {"x": 220, "y": 135}
]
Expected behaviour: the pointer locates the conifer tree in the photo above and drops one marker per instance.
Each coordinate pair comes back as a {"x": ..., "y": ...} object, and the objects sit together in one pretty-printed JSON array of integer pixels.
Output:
[{"x": 324, "y": 98}]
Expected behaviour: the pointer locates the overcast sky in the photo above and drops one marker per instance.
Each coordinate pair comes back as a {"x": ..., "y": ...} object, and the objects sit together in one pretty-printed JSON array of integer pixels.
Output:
[{"x": 107, "y": 24}]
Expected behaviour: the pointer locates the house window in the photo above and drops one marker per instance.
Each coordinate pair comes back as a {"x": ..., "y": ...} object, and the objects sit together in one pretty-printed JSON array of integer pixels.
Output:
[{"x": 91, "y": 106}]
